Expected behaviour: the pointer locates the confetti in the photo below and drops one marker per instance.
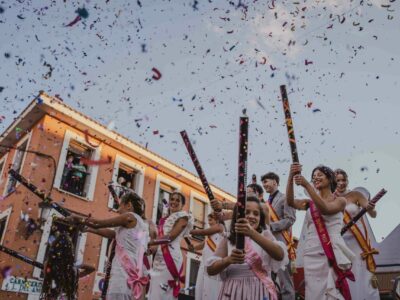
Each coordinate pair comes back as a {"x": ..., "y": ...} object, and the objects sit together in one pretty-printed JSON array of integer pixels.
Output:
[
  {"x": 157, "y": 74},
  {"x": 91, "y": 162}
]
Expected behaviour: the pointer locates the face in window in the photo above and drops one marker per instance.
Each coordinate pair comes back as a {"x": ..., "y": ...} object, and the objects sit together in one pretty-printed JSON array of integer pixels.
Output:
[
  {"x": 175, "y": 203},
  {"x": 253, "y": 214},
  {"x": 341, "y": 183}
]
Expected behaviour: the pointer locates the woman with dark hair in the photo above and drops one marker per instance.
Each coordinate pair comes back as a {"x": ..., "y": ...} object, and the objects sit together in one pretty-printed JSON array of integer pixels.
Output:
[
  {"x": 207, "y": 287},
  {"x": 357, "y": 238},
  {"x": 167, "y": 273},
  {"x": 246, "y": 275},
  {"x": 127, "y": 280},
  {"x": 60, "y": 273},
  {"x": 327, "y": 259}
]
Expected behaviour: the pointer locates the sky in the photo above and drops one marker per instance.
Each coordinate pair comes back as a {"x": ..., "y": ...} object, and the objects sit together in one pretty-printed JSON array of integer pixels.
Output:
[{"x": 149, "y": 69}]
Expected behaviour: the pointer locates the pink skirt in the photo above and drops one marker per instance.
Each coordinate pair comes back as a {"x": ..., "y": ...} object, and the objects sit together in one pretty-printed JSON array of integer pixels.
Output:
[{"x": 240, "y": 283}]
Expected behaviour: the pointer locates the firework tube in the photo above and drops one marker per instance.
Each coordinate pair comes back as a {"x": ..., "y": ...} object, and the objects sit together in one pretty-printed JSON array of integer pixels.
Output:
[
  {"x": 160, "y": 241},
  {"x": 197, "y": 165},
  {"x": 362, "y": 212},
  {"x": 242, "y": 176},
  {"x": 21, "y": 257},
  {"x": 46, "y": 199},
  {"x": 289, "y": 125}
]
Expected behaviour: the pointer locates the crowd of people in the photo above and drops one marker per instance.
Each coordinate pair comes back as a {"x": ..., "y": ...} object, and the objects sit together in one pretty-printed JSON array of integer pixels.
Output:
[{"x": 335, "y": 266}]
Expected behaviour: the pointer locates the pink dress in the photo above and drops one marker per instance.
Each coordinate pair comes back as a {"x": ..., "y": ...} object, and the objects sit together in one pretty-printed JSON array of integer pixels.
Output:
[{"x": 239, "y": 282}]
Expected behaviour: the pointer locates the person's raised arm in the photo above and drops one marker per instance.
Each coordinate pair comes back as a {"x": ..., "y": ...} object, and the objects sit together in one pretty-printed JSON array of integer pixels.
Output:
[
  {"x": 236, "y": 257},
  {"x": 218, "y": 228},
  {"x": 121, "y": 220},
  {"x": 104, "y": 232},
  {"x": 273, "y": 249},
  {"x": 291, "y": 201},
  {"x": 178, "y": 228},
  {"x": 325, "y": 207},
  {"x": 364, "y": 203}
]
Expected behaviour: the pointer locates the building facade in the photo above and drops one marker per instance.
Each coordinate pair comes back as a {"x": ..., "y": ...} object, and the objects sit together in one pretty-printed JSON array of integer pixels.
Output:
[{"x": 74, "y": 158}]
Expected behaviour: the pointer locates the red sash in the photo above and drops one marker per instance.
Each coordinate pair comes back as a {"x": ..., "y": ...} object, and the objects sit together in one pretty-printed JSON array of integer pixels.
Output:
[
  {"x": 169, "y": 262},
  {"x": 341, "y": 282}
]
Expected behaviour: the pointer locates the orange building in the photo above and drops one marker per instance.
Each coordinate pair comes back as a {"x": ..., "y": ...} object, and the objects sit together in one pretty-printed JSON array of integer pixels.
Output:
[{"x": 64, "y": 135}]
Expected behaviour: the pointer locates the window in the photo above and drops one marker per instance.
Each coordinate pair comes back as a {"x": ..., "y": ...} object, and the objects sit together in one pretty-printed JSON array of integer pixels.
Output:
[
  {"x": 200, "y": 209},
  {"x": 73, "y": 175},
  {"x": 164, "y": 188},
  {"x": 2, "y": 165},
  {"x": 17, "y": 164},
  {"x": 104, "y": 253},
  {"x": 102, "y": 266},
  {"x": 127, "y": 176},
  {"x": 192, "y": 268},
  {"x": 3, "y": 223}
]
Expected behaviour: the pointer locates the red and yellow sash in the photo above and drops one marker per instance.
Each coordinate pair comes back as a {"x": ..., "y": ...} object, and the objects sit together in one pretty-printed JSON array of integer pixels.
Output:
[
  {"x": 363, "y": 241},
  {"x": 211, "y": 244},
  {"x": 287, "y": 235}
]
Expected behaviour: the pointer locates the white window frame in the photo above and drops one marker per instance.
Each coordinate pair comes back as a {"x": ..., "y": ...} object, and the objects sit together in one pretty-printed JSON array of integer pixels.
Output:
[
  {"x": 203, "y": 199},
  {"x": 20, "y": 142},
  {"x": 6, "y": 214},
  {"x": 190, "y": 255},
  {"x": 69, "y": 135},
  {"x": 139, "y": 181},
  {"x": 80, "y": 249},
  {"x": 100, "y": 266},
  {"x": 3, "y": 160},
  {"x": 161, "y": 179}
]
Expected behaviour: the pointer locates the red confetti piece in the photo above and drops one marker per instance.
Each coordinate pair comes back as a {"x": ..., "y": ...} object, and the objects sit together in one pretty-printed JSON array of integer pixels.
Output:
[
  {"x": 76, "y": 20},
  {"x": 91, "y": 162},
  {"x": 87, "y": 140},
  {"x": 308, "y": 62},
  {"x": 264, "y": 61},
  {"x": 309, "y": 104},
  {"x": 155, "y": 132},
  {"x": 157, "y": 74}
]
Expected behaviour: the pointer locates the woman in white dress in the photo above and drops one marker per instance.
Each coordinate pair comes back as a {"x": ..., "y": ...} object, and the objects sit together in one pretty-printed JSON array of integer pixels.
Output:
[
  {"x": 166, "y": 275},
  {"x": 207, "y": 287},
  {"x": 127, "y": 281},
  {"x": 364, "y": 288},
  {"x": 321, "y": 279}
]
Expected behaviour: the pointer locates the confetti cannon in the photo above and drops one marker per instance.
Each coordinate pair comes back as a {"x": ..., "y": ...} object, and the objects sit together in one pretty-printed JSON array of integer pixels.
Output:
[{"x": 362, "y": 212}]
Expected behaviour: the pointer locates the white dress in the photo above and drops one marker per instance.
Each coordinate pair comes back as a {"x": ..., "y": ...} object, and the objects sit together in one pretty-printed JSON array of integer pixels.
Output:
[
  {"x": 319, "y": 277},
  {"x": 131, "y": 239},
  {"x": 361, "y": 289},
  {"x": 207, "y": 287},
  {"x": 238, "y": 280},
  {"x": 160, "y": 273}
]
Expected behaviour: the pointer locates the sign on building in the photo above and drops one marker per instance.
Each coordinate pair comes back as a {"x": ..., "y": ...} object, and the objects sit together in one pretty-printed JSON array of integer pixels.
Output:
[{"x": 22, "y": 285}]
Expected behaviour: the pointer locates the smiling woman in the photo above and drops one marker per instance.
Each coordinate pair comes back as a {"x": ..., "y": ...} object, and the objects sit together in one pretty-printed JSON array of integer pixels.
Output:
[
  {"x": 247, "y": 275},
  {"x": 325, "y": 275},
  {"x": 168, "y": 261}
]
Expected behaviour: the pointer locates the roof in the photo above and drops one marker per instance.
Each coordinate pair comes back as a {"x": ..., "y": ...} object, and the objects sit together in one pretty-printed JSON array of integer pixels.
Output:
[{"x": 58, "y": 109}]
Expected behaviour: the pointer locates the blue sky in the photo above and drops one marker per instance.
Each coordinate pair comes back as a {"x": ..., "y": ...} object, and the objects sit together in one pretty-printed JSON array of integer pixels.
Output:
[{"x": 339, "y": 60}]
